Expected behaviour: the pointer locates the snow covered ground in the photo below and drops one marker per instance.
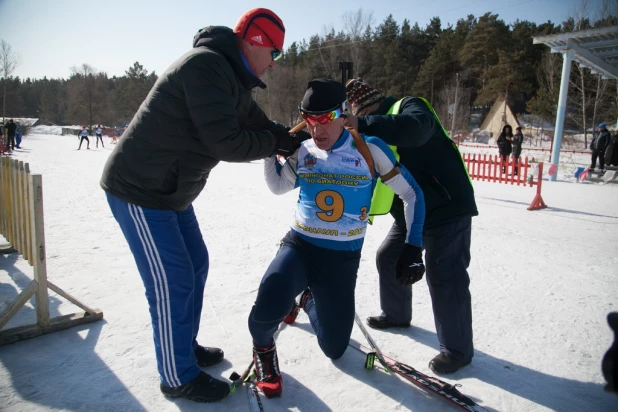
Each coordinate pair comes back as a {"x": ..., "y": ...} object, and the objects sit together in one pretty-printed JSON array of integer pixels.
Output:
[{"x": 542, "y": 284}]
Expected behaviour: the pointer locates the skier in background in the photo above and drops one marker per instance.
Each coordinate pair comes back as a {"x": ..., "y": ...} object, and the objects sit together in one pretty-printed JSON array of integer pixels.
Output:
[
  {"x": 83, "y": 135},
  {"x": 99, "y": 133}
]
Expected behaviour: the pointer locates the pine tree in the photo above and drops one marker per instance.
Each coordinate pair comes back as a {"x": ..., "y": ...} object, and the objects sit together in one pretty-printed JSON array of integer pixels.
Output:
[{"x": 481, "y": 49}]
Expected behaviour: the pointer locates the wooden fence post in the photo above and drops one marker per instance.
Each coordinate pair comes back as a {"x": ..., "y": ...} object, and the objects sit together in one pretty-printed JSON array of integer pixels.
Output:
[
  {"x": 3, "y": 197},
  {"x": 38, "y": 249},
  {"x": 25, "y": 187}
]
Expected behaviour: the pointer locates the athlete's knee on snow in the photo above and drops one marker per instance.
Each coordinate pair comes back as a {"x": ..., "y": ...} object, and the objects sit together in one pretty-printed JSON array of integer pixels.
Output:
[{"x": 334, "y": 348}]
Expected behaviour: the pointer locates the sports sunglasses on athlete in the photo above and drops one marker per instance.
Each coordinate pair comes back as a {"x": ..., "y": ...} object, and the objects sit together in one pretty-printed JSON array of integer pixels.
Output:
[{"x": 323, "y": 117}]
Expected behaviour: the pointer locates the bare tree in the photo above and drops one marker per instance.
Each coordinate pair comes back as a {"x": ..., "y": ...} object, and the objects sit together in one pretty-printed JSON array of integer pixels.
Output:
[
  {"x": 549, "y": 72},
  {"x": 545, "y": 103},
  {"x": 580, "y": 13},
  {"x": 285, "y": 94},
  {"x": 86, "y": 95},
  {"x": 600, "y": 96},
  {"x": 453, "y": 100},
  {"x": 608, "y": 8},
  {"x": 354, "y": 25},
  {"x": 332, "y": 49},
  {"x": 8, "y": 62}
]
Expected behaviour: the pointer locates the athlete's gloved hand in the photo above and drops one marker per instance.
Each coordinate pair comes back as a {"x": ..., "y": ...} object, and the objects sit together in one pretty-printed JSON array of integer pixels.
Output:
[
  {"x": 286, "y": 143},
  {"x": 410, "y": 268}
]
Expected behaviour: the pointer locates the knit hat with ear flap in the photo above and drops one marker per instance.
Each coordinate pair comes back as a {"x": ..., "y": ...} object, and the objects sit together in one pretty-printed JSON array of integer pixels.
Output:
[{"x": 361, "y": 95}]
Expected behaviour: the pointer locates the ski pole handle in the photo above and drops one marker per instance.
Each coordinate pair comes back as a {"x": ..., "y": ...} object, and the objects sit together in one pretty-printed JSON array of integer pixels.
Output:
[{"x": 300, "y": 126}]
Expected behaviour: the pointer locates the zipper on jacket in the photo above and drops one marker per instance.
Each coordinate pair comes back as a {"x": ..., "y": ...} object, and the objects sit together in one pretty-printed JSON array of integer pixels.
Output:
[{"x": 442, "y": 187}]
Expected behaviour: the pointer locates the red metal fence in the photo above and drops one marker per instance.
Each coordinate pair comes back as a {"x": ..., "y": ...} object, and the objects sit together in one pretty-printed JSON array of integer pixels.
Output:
[{"x": 493, "y": 168}]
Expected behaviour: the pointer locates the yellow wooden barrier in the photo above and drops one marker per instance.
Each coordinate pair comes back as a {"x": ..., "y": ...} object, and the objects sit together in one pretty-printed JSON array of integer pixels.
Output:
[{"x": 22, "y": 224}]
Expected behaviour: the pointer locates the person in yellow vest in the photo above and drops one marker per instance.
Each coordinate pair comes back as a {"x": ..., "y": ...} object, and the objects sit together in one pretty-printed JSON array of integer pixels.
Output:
[{"x": 412, "y": 128}]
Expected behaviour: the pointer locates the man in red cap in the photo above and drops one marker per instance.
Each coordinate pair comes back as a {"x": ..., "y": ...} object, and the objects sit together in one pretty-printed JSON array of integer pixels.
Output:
[
  {"x": 262, "y": 33},
  {"x": 198, "y": 113}
]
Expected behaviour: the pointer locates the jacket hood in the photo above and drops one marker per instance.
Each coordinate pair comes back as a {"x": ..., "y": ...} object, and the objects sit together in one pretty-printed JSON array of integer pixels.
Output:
[{"x": 223, "y": 40}]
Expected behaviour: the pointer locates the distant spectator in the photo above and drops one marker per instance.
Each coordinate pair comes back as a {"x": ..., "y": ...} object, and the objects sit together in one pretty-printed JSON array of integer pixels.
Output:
[
  {"x": 611, "y": 154},
  {"x": 598, "y": 145},
  {"x": 505, "y": 146},
  {"x": 99, "y": 132},
  {"x": 518, "y": 140},
  {"x": 10, "y": 133},
  {"x": 18, "y": 135},
  {"x": 83, "y": 135},
  {"x": 119, "y": 132}
]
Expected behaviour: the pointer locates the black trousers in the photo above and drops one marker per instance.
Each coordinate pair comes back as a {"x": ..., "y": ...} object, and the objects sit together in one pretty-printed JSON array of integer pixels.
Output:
[
  {"x": 447, "y": 257},
  {"x": 601, "y": 155},
  {"x": 331, "y": 276},
  {"x": 82, "y": 141},
  {"x": 505, "y": 160}
]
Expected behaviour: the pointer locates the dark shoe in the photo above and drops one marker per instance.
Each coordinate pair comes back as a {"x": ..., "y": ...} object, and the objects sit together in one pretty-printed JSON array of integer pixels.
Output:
[
  {"x": 267, "y": 370},
  {"x": 445, "y": 363},
  {"x": 380, "y": 322},
  {"x": 208, "y": 356},
  {"x": 204, "y": 388}
]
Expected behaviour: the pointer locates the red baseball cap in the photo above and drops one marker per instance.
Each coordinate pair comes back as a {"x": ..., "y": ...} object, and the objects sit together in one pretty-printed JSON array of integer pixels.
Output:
[{"x": 261, "y": 27}]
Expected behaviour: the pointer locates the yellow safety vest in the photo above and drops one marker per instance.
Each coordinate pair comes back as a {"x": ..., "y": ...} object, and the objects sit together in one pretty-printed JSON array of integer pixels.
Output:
[{"x": 383, "y": 195}]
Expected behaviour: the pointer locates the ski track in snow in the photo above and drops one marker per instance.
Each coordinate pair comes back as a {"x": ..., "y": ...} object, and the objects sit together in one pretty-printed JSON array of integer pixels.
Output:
[{"x": 542, "y": 284}]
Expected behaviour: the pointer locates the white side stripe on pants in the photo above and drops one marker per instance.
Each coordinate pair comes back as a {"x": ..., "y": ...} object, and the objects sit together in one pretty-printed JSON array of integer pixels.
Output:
[
  {"x": 161, "y": 295},
  {"x": 166, "y": 302}
]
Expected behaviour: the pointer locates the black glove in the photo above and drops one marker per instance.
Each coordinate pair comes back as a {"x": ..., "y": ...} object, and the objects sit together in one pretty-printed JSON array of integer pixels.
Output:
[
  {"x": 302, "y": 135},
  {"x": 410, "y": 267},
  {"x": 286, "y": 143}
]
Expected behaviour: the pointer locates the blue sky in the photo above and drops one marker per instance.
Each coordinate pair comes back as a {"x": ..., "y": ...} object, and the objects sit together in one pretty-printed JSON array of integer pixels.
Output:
[{"x": 110, "y": 35}]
